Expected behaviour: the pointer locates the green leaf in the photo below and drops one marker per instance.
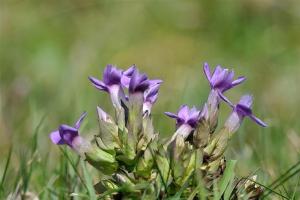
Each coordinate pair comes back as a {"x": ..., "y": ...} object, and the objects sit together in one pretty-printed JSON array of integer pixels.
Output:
[
  {"x": 228, "y": 176},
  {"x": 5, "y": 170}
]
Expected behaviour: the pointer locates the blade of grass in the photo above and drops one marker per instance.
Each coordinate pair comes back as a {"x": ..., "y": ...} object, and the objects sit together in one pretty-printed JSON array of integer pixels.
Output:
[
  {"x": 28, "y": 172},
  {"x": 5, "y": 170},
  {"x": 284, "y": 174},
  {"x": 226, "y": 179},
  {"x": 89, "y": 182},
  {"x": 282, "y": 181},
  {"x": 286, "y": 179},
  {"x": 295, "y": 190},
  {"x": 73, "y": 166}
]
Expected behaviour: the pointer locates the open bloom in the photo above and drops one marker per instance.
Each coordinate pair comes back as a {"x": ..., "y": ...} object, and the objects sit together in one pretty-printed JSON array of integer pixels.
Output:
[
  {"x": 138, "y": 82},
  {"x": 186, "y": 121},
  {"x": 111, "y": 83},
  {"x": 69, "y": 135},
  {"x": 240, "y": 111},
  {"x": 186, "y": 116},
  {"x": 243, "y": 109},
  {"x": 221, "y": 80},
  {"x": 126, "y": 76}
]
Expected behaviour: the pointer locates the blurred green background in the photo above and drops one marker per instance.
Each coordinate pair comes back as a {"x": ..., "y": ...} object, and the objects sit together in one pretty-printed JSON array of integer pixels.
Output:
[{"x": 49, "y": 48}]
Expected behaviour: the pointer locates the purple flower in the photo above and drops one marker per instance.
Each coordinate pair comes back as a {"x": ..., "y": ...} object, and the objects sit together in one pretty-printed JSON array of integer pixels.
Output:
[
  {"x": 221, "y": 80},
  {"x": 150, "y": 95},
  {"x": 186, "y": 116},
  {"x": 138, "y": 82},
  {"x": 67, "y": 134},
  {"x": 244, "y": 109},
  {"x": 111, "y": 76},
  {"x": 126, "y": 76},
  {"x": 111, "y": 83}
]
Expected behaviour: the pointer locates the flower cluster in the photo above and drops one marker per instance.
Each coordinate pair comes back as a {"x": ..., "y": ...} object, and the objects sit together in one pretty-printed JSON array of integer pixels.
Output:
[{"x": 133, "y": 159}]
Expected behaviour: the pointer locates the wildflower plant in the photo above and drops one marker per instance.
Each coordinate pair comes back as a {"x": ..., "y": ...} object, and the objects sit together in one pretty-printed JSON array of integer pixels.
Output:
[{"x": 133, "y": 160}]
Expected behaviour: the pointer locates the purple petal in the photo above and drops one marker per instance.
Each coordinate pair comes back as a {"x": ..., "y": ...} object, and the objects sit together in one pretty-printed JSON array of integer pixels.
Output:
[
  {"x": 55, "y": 138},
  {"x": 152, "y": 99},
  {"x": 183, "y": 112},
  {"x": 154, "y": 82},
  {"x": 126, "y": 76},
  {"x": 207, "y": 71},
  {"x": 258, "y": 121},
  {"x": 238, "y": 81},
  {"x": 68, "y": 133},
  {"x": 125, "y": 80},
  {"x": 217, "y": 75},
  {"x": 194, "y": 113},
  {"x": 224, "y": 98},
  {"x": 106, "y": 74},
  {"x": 246, "y": 101},
  {"x": 172, "y": 115},
  {"x": 227, "y": 81},
  {"x": 151, "y": 93},
  {"x": 112, "y": 75},
  {"x": 98, "y": 84},
  {"x": 220, "y": 79},
  {"x": 138, "y": 82},
  {"x": 243, "y": 110},
  {"x": 129, "y": 71},
  {"x": 79, "y": 121}
]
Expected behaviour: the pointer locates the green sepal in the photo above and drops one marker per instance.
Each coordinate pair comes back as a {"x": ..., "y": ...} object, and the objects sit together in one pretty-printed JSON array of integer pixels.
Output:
[{"x": 101, "y": 160}]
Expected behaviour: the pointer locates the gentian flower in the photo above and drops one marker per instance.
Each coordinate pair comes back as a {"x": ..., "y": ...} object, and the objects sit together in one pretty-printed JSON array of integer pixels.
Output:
[
  {"x": 240, "y": 111},
  {"x": 111, "y": 83},
  {"x": 69, "y": 135},
  {"x": 150, "y": 95},
  {"x": 126, "y": 76},
  {"x": 138, "y": 83},
  {"x": 221, "y": 80},
  {"x": 185, "y": 116},
  {"x": 186, "y": 121}
]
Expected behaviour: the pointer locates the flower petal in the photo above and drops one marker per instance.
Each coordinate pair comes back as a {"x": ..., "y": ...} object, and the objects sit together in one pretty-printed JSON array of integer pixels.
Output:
[
  {"x": 68, "y": 133},
  {"x": 125, "y": 80},
  {"x": 216, "y": 75},
  {"x": 154, "y": 82},
  {"x": 112, "y": 75},
  {"x": 98, "y": 84},
  {"x": 258, "y": 121},
  {"x": 129, "y": 71},
  {"x": 206, "y": 70},
  {"x": 55, "y": 138},
  {"x": 126, "y": 76},
  {"x": 138, "y": 82},
  {"x": 238, "y": 81},
  {"x": 246, "y": 100},
  {"x": 183, "y": 112},
  {"x": 79, "y": 121},
  {"x": 224, "y": 98},
  {"x": 172, "y": 115}
]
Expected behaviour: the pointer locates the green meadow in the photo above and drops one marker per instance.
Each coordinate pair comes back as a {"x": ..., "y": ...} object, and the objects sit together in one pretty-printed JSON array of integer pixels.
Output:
[{"x": 49, "y": 48}]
